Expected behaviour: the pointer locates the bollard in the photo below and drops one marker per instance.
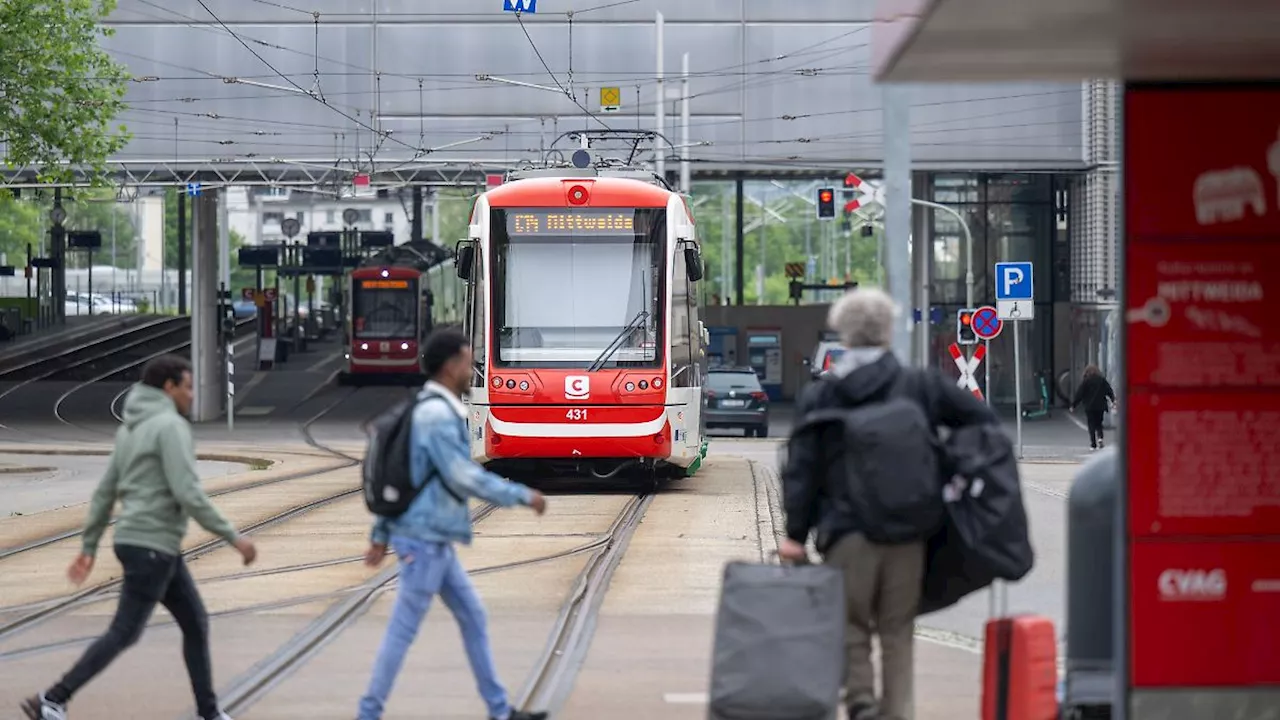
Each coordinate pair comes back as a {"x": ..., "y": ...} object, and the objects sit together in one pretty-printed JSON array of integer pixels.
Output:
[{"x": 1091, "y": 537}]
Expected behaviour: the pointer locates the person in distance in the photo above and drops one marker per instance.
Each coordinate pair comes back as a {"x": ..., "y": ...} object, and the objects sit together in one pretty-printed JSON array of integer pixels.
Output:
[
  {"x": 882, "y": 580},
  {"x": 423, "y": 536},
  {"x": 152, "y": 469},
  {"x": 1096, "y": 394}
]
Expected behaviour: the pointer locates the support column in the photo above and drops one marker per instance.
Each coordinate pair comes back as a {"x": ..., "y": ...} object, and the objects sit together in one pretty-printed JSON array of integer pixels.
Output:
[
  {"x": 897, "y": 216},
  {"x": 205, "y": 355}
]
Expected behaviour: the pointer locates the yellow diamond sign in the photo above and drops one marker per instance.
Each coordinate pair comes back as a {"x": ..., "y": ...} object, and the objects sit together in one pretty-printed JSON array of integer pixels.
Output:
[{"x": 610, "y": 99}]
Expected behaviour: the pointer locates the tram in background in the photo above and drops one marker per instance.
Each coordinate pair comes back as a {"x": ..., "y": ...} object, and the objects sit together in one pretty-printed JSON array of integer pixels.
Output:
[
  {"x": 390, "y": 313},
  {"x": 581, "y": 307}
]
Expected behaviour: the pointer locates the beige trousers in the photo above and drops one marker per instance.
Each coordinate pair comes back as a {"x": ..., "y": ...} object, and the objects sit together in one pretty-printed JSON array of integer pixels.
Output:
[{"x": 882, "y": 592}]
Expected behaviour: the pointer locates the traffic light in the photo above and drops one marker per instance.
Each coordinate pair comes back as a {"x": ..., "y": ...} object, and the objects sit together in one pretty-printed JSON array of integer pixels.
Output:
[
  {"x": 826, "y": 202},
  {"x": 964, "y": 327}
]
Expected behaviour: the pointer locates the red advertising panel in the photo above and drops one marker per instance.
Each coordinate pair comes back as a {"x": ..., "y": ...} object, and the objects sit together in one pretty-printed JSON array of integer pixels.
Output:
[
  {"x": 1202, "y": 162},
  {"x": 1204, "y": 314},
  {"x": 1204, "y": 464},
  {"x": 1202, "y": 279},
  {"x": 1205, "y": 614}
]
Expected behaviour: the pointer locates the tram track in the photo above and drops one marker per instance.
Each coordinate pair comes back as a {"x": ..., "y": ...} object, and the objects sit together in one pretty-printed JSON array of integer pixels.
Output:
[
  {"x": 66, "y": 603},
  {"x": 550, "y": 680},
  {"x": 122, "y": 371}
]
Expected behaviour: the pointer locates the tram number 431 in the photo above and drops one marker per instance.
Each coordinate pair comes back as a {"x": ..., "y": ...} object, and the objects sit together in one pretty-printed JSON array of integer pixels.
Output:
[{"x": 576, "y": 414}]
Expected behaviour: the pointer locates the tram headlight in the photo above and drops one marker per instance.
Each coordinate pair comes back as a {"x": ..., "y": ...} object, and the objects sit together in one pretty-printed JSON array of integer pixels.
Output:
[
  {"x": 497, "y": 382},
  {"x": 404, "y": 346},
  {"x": 524, "y": 385},
  {"x": 657, "y": 383},
  {"x": 629, "y": 387},
  {"x": 364, "y": 346},
  {"x": 511, "y": 384},
  {"x": 644, "y": 384}
]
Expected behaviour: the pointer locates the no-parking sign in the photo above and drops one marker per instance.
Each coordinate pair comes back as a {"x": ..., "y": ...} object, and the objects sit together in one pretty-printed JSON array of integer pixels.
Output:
[{"x": 987, "y": 323}]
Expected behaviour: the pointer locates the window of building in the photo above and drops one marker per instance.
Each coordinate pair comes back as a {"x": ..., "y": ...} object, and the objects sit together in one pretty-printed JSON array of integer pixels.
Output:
[
  {"x": 329, "y": 217},
  {"x": 389, "y": 219},
  {"x": 272, "y": 217}
]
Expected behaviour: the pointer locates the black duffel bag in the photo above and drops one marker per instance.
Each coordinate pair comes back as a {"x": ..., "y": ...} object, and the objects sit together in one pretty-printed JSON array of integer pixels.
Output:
[{"x": 985, "y": 535}]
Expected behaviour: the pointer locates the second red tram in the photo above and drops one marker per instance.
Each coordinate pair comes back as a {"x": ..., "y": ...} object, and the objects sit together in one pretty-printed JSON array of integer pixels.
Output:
[
  {"x": 581, "y": 305},
  {"x": 389, "y": 316}
]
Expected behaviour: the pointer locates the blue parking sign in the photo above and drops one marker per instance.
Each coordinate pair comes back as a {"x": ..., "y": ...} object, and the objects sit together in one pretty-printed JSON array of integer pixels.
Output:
[{"x": 1014, "y": 281}]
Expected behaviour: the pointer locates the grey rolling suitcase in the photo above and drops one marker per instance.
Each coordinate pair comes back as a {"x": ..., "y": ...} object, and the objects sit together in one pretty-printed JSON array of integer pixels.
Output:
[{"x": 779, "y": 647}]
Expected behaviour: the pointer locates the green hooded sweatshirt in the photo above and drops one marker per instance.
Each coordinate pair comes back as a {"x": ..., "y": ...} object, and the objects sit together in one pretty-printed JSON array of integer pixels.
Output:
[{"x": 152, "y": 472}]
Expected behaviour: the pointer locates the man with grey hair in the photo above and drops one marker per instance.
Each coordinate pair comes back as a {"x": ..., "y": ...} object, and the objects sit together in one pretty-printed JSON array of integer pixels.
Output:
[{"x": 882, "y": 579}]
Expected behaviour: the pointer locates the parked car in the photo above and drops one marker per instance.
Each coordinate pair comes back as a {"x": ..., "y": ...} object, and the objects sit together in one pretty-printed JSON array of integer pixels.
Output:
[
  {"x": 736, "y": 400},
  {"x": 824, "y": 356}
]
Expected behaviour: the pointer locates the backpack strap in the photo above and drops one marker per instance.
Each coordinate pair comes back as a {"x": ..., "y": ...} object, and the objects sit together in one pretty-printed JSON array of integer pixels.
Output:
[{"x": 435, "y": 471}]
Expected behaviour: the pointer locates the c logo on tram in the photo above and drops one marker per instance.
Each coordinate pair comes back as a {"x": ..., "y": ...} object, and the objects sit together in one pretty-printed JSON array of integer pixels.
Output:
[{"x": 577, "y": 387}]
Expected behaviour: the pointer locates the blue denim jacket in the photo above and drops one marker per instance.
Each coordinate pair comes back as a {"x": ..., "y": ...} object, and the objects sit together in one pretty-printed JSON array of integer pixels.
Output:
[{"x": 440, "y": 444}]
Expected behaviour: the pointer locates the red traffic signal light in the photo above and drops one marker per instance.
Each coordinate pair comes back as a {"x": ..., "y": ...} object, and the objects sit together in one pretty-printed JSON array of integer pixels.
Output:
[
  {"x": 826, "y": 202},
  {"x": 966, "y": 318}
]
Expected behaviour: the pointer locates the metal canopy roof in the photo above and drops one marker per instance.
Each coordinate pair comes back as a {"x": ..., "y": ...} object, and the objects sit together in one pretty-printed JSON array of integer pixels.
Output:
[
  {"x": 313, "y": 91},
  {"x": 993, "y": 40}
]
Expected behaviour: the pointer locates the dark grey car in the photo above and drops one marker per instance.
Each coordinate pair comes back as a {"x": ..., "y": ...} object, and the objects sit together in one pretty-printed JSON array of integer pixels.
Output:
[{"x": 736, "y": 400}]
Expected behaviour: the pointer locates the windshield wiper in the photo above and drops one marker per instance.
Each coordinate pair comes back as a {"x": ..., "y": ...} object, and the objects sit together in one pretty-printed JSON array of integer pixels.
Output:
[{"x": 616, "y": 343}]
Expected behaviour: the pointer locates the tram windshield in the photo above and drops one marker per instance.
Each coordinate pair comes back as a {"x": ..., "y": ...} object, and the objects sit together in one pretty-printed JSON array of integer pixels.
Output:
[
  {"x": 384, "y": 309},
  {"x": 570, "y": 285}
]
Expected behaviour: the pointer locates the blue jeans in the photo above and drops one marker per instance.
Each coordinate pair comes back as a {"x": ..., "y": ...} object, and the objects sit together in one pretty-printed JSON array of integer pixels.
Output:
[{"x": 426, "y": 569}]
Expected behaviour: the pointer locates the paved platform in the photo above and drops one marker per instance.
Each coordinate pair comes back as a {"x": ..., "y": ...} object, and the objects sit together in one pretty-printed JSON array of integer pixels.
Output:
[{"x": 649, "y": 656}]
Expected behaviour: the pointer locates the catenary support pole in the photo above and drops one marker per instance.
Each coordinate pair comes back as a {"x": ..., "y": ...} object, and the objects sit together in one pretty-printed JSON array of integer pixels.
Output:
[
  {"x": 685, "y": 183},
  {"x": 921, "y": 257},
  {"x": 224, "y": 301},
  {"x": 182, "y": 252},
  {"x": 415, "y": 227},
  {"x": 897, "y": 218},
  {"x": 435, "y": 218},
  {"x": 739, "y": 242},
  {"x": 659, "y": 106}
]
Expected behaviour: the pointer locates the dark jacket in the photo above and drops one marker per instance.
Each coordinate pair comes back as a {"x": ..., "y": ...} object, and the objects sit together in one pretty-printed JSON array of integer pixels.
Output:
[
  {"x": 1093, "y": 394},
  {"x": 811, "y": 501}
]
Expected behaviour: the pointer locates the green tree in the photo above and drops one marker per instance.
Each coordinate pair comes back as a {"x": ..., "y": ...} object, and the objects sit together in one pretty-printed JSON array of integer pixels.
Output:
[
  {"x": 21, "y": 222},
  {"x": 59, "y": 91}
]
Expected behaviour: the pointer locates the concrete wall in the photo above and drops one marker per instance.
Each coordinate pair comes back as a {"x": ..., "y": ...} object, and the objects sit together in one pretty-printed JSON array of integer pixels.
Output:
[{"x": 802, "y": 325}]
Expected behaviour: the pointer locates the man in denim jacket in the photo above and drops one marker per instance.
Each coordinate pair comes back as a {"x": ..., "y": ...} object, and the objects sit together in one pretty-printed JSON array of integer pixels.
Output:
[{"x": 422, "y": 537}]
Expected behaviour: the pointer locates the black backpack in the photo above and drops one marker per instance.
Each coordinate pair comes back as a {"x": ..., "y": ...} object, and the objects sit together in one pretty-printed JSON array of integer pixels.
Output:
[
  {"x": 387, "y": 472},
  {"x": 889, "y": 461}
]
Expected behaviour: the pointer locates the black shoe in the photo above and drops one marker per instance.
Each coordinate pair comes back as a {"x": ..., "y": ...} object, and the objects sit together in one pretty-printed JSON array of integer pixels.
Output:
[
  {"x": 522, "y": 715},
  {"x": 864, "y": 712}
]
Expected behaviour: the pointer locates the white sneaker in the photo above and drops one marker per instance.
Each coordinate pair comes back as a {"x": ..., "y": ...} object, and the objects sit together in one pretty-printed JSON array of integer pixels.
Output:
[{"x": 38, "y": 708}]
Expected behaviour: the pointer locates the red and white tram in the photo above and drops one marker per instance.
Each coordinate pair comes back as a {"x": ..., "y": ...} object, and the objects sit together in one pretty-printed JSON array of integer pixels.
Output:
[
  {"x": 389, "y": 317},
  {"x": 585, "y": 326}
]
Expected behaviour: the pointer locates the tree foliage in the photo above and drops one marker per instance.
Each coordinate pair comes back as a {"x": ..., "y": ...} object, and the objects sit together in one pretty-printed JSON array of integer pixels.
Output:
[
  {"x": 26, "y": 221},
  {"x": 59, "y": 91}
]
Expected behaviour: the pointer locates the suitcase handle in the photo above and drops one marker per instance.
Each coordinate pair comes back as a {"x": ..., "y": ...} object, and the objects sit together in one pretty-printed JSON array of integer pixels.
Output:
[
  {"x": 789, "y": 563},
  {"x": 998, "y": 599}
]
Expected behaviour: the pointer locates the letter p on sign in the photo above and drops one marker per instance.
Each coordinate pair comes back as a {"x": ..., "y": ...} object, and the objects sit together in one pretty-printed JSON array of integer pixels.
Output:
[{"x": 1012, "y": 276}]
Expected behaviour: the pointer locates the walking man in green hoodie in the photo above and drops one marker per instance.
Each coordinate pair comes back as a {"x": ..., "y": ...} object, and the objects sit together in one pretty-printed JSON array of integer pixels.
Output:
[{"x": 152, "y": 472}]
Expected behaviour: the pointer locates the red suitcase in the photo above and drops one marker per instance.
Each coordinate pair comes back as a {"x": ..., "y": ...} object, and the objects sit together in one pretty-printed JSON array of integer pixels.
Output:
[{"x": 1020, "y": 668}]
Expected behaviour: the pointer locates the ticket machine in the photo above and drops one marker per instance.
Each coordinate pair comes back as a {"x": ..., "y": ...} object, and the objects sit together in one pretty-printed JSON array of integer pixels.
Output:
[
  {"x": 722, "y": 347},
  {"x": 764, "y": 355}
]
